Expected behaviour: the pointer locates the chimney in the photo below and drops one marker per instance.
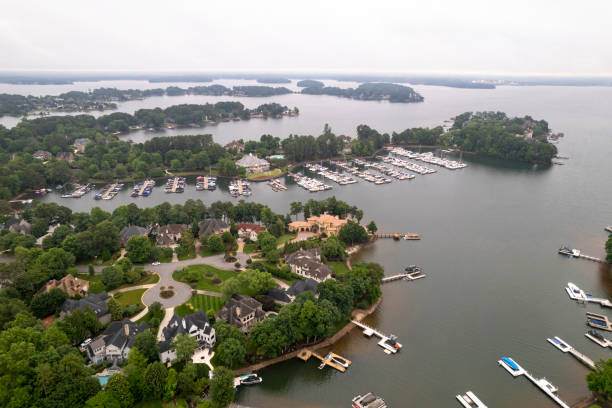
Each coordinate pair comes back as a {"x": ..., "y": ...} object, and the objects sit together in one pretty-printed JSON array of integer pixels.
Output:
[
  {"x": 126, "y": 329},
  {"x": 238, "y": 311}
]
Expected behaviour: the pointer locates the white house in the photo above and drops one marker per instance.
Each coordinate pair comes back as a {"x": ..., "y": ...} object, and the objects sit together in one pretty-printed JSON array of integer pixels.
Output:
[{"x": 195, "y": 324}]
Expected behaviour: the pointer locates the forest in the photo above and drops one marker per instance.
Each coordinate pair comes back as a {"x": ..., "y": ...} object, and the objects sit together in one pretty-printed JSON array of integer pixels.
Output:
[{"x": 371, "y": 91}]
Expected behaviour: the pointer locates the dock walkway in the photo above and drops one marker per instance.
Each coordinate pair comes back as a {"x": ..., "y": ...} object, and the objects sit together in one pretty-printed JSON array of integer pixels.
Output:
[
  {"x": 576, "y": 253},
  {"x": 408, "y": 236},
  {"x": 385, "y": 341},
  {"x": 566, "y": 348},
  {"x": 580, "y": 296},
  {"x": 407, "y": 276}
]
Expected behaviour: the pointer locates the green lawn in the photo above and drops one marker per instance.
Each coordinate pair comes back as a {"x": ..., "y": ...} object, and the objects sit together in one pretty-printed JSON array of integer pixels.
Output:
[
  {"x": 149, "y": 279},
  {"x": 340, "y": 269},
  {"x": 249, "y": 248},
  {"x": 205, "y": 283},
  {"x": 273, "y": 172},
  {"x": 205, "y": 251},
  {"x": 286, "y": 238},
  {"x": 200, "y": 302},
  {"x": 131, "y": 297},
  {"x": 189, "y": 255}
]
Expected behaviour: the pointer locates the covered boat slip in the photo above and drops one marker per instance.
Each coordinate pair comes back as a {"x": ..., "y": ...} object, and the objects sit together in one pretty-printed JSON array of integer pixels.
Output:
[
  {"x": 598, "y": 321},
  {"x": 577, "y": 294},
  {"x": 470, "y": 400}
]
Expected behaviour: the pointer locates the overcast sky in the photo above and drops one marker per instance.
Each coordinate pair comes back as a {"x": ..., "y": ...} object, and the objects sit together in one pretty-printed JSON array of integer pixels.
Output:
[{"x": 403, "y": 36}]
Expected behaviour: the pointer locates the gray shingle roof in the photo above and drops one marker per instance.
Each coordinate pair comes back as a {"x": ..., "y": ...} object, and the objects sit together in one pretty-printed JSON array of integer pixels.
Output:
[
  {"x": 300, "y": 286},
  {"x": 131, "y": 231},
  {"x": 95, "y": 302},
  {"x": 249, "y": 160},
  {"x": 210, "y": 226}
]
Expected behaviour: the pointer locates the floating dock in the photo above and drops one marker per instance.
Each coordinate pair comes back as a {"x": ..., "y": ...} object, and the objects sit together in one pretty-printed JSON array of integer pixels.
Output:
[
  {"x": 516, "y": 370},
  {"x": 577, "y": 294},
  {"x": 277, "y": 185},
  {"x": 576, "y": 253},
  {"x": 388, "y": 343},
  {"x": 598, "y": 321},
  {"x": 407, "y": 276},
  {"x": 175, "y": 185},
  {"x": 609, "y": 229},
  {"x": 470, "y": 400},
  {"x": 598, "y": 338},
  {"x": 566, "y": 348},
  {"x": 397, "y": 236},
  {"x": 331, "y": 359}
]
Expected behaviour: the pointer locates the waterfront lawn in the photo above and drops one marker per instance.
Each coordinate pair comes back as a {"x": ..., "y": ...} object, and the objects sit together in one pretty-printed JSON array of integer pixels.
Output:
[
  {"x": 270, "y": 173},
  {"x": 131, "y": 297},
  {"x": 340, "y": 269},
  {"x": 200, "y": 302},
  {"x": 204, "y": 282}
]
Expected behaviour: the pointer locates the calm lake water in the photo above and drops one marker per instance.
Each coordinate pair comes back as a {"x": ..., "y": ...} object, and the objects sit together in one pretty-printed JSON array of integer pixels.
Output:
[{"x": 490, "y": 233}]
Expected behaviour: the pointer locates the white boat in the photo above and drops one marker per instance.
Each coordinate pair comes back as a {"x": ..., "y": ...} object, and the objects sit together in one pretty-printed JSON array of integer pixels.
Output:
[
  {"x": 368, "y": 400},
  {"x": 470, "y": 400},
  {"x": 609, "y": 229},
  {"x": 560, "y": 344}
]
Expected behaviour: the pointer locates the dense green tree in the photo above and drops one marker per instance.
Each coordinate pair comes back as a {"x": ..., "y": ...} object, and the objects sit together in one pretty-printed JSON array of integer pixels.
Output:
[
  {"x": 249, "y": 282},
  {"x": 231, "y": 352},
  {"x": 155, "y": 380},
  {"x": 372, "y": 228},
  {"x": 103, "y": 399},
  {"x": 215, "y": 244},
  {"x": 333, "y": 249},
  {"x": 114, "y": 309},
  {"x": 222, "y": 387},
  {"x": 112, "y": 277},
  {"x": 185, "y": 346},
  {"x": 138, "y": 249},
  {"x": 146, "y": 343},
  {"x": 352, "y": 233},
  {"x": 120, "y": 386},
  {"x": 171, "y": 383},
  {"x": 45, "y": 304}
]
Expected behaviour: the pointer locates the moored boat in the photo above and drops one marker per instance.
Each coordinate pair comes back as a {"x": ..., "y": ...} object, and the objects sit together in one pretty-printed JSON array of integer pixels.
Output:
[{"x": 368, "y": 400}]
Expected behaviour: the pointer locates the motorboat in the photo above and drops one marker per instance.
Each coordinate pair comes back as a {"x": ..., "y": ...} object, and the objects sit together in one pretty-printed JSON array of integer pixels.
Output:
[
  {"x": 250, "y": 379},
  {"x": 368, "y": 400}
]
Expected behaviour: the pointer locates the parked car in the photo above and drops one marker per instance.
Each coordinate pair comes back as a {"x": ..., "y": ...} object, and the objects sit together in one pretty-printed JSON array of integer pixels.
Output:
[{"x": 156, "y": 263}]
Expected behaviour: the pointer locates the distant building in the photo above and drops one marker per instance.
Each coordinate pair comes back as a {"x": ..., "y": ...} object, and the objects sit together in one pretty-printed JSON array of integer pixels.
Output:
[
  {"x": 42, "y": 155},
  {"x": 212, "y": 226},
  {"x": 18, "y": 225},
  {"x": 249, "y": 231},
  {"x": 71, "y": 285},
  {"x": 253, "y": 164},
  {"x": 307, "y": 263},
  {"x": 330, "y": 224},
  {"x": 80, "y": 144},
  {"x": 95, "y": 302},
  {"x": 116, "y": 342},
  {"x": 170, "y": 235},
  {"x": 241, "y": 311},
  {"x": 195, "y": 324},
  {"x": 66, "y": 156},
  {"x": 131, "y": 231},
  {"x": 235, "y": 144}
]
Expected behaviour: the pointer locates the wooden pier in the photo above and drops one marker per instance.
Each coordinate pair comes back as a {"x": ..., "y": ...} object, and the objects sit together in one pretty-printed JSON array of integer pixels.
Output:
[
  {"x": 576, "y": 253},
  {"x": 107, "y": 194},
  {"x": 566, "y": 348},
  {"x": 277, "y": 185},
  {"x": 385, "y": 340},
  {"x": 305, "y": 354},
  {"x": 397, "y": 236}
]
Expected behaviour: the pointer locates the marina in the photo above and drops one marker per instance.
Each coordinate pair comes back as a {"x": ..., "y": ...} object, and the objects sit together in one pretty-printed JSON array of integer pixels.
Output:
[
  {"x": 429, "y": 158},
  {"x": 417, "y": 168},
  {"x": 206, "y": 183},
  {"x": 240, "y": 188},
  {"x": 341, "y": 179},
  {"x": 364, "y": 175},
  {"x": 331, "y": 359},
  {"x": 470, "y": 400},
  {"x": 513, "y": 368},
  {"x": 598, "y": 321},
  {"x": 388, "y": 343},
  {"x": 309, "y": 184},
  {"x": 109, "y": 192},
  {"x": 566, "y": 348},
  {"x": 575, "y": 293},
  {"x": 143, "y": 189},
  {"x": 399, "y": 175},
  {"x": 175, "y": 185}
]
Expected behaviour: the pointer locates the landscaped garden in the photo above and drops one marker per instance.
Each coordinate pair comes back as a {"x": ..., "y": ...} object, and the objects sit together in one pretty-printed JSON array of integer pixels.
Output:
[
  {"x": 203, "y": 277},
  {"x": 340, "y": 269},
  {"x": 131, "y": 297}
]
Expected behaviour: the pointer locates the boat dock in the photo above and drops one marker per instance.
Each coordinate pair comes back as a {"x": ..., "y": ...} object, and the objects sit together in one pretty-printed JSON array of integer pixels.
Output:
[
  {"x": 513, "y": 368},
  {"x": 109, "y": 192},
  {"x": 277, "y": 185},
  {"x": 396, "y": 236},
  {"x": 577, "y": 294},
  {"x": 566, "y": 348},
  {"x": 79, "y": 192},
  {"x": 388, "y": 343},
  {"x": 406, "y": 275},
  {"x": 143, "y": 189},
  {"x": 598, "y": 338},
  {"x": 206, "y": 183},
  {"x": 576, "y": 253},
  {"x": 470, "y": 400},
  {"x": 609, "y": 229},
  {"x": 598, "y": 321},
  {"x": 175, "y": 185},
  {"x": 305, "y": 354}
]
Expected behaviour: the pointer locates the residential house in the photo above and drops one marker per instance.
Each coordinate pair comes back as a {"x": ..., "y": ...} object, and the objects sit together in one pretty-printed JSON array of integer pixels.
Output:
[
  {"x": 279, "y": 295},
  {"x": 241, "y": 311},
  {"x": 308, "y": 263},
  {"x": 195, "y": 324},
  {"x": 253, "y": 164},
  {"x": 300, "y": 286},
  {"x": 249, "y": 231},
  {"x": 66, "y": 156},
  {"x": 95, "y": 302},
  {"x": 42, "y": 155},
  {"x": 116, "y": 342},
  {"x": 330, "y": 224},
  {"x": 212, "y": 226},
  {"x": 170, "y": 235},
  {"x": 131, "y": 231},
  {"x": 71, "y": 285},
  {"x": 18, "y": 225},
  {"x": 235, "y": 144},
  {"x": 80, "y": 144}
]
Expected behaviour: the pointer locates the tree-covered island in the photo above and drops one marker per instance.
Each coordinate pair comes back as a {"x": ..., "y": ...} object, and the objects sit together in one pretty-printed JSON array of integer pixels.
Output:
[{"x": 372, "y": 91}]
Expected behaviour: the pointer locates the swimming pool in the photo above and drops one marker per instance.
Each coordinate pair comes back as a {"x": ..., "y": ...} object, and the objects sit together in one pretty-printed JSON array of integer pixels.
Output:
[{"x": 103, "y": 379}]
